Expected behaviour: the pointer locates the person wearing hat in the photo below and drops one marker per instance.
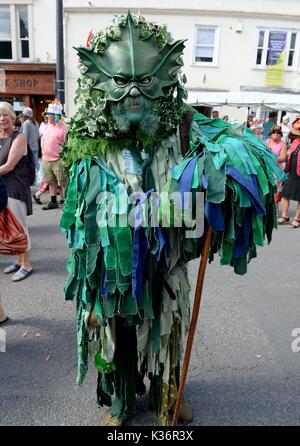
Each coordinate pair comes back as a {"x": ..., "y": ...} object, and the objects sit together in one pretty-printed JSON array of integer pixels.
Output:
[
  {"x": 257, "y": 129},
  {"x": 277, "y": 145},
  {"x": 52, "y": 141},
  {"x": 43, "y": 124},
  {"x": 279, "y": 148},
  {"x": 291, "y": 187},
  {"x": 31, "y": 130}
]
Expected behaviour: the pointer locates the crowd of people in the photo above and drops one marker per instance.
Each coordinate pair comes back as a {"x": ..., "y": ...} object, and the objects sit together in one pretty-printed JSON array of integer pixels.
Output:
[
  {"x": 15, "y": 145},
  {"x": 284, "y": 141}
]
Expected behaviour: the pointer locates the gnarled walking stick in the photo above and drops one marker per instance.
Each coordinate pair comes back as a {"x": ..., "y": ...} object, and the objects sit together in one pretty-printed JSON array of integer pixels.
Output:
[{"x": 196, "y": 308}]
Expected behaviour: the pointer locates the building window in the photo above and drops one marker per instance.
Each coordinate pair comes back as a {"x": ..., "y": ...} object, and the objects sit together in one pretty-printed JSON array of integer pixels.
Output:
[
  {"x": 205, "y": 48},
  {"x": 291, "y": 46},
  {"x": 5, "y": 34},
  {"x": 292, "y": 49},
  {"x": 23, "y": 32},
  {"x": 14, "y": 33}
]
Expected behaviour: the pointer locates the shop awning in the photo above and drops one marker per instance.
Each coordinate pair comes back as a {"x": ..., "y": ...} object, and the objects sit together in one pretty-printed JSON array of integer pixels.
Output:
[{"x": 287, "y": 102}]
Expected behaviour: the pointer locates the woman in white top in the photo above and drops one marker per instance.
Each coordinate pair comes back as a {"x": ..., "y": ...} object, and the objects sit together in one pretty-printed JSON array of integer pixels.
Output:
[{"x": 285, "y": 128}]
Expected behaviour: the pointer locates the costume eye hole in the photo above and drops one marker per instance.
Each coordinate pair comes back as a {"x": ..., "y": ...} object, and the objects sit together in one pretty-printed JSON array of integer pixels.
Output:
[
  {"x": 120, "y": 81},
  {"x": 145, "y": 80}
]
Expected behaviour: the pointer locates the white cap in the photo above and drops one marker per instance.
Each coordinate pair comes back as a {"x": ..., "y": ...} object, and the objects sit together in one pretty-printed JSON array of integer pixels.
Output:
[
  {"x": 55, "y": 108},
  {"x": 27, "y": 112}
]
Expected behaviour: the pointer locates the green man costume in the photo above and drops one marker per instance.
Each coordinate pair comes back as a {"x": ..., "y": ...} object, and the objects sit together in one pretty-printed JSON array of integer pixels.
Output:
[{"x": 133, "y": 138}]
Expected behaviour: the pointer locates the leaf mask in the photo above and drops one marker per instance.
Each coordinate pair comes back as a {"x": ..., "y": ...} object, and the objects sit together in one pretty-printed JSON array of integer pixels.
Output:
[{"x": 133, "y": 61}]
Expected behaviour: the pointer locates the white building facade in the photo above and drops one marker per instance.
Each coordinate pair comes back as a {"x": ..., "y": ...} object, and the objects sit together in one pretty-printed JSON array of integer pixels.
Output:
[
  {"x": 228, "y": 42},
  {"x": 27, "y": 53}
]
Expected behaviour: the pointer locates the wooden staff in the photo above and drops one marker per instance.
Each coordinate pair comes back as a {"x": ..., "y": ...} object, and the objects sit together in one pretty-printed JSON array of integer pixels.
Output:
[{"x": 196, "y": 308}]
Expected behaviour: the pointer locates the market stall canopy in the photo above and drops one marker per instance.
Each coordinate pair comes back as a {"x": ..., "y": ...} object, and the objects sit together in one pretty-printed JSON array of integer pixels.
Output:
[{"x": 275, "y": 101}]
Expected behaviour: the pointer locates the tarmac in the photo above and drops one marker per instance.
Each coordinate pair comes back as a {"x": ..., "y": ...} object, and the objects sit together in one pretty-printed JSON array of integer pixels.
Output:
[{"x": 243, "y": 370}]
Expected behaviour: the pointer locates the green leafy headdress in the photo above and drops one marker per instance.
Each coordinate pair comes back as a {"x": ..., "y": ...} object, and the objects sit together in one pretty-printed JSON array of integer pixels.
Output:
[{"x": 132, "y": 53}]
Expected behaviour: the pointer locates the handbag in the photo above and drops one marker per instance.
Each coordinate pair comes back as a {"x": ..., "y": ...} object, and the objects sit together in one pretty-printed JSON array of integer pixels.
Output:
[
  {"x": 277, "y": 195},
  {"x": 13, "y": 238}
]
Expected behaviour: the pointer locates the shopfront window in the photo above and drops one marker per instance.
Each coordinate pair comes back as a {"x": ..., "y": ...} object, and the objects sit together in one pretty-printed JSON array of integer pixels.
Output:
[{"x": 5, "y": 34}]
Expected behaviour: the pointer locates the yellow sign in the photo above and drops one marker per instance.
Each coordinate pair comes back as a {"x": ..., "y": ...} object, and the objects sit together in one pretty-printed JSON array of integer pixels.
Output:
[{"x": 275, "y": 72}]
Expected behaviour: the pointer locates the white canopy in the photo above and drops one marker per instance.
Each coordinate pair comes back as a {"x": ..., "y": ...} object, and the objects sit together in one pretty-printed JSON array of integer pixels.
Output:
[{"x": 276, "y": 101}]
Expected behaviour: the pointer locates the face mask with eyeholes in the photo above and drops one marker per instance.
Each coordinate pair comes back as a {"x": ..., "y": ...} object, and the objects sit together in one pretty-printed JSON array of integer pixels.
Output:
[{"x": 131, "y": 62}]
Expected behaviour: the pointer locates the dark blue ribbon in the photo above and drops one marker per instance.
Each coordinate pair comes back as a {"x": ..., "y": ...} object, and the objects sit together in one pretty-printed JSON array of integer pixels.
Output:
[
  {"x": 214, "y": 214},
  {"x": 250, "y": 186},
  {"x": 242, "y": 236},
  {"x": 140, "y": 253},
  {"x": 164, "y": 242},
  {"x": 186, "y": 178}
]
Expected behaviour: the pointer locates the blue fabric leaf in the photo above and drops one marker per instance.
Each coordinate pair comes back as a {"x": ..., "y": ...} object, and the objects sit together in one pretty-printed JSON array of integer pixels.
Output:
[
  {"x": 250, "y": 185},
  {"x": 242, "y": 236},
  {"x": 214, "y": 214}
]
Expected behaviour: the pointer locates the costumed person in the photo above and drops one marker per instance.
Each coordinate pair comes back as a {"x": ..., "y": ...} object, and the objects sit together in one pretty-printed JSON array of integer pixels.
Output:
[
  {"x": 51, "y": 142},
  {"x": 131, "y": 135}
]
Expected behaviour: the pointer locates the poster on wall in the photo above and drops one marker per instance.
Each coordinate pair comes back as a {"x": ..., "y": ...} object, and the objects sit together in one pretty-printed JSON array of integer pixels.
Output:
[
  {"x": 276, "y": 59},
  {"x": 18, "y": 106}
]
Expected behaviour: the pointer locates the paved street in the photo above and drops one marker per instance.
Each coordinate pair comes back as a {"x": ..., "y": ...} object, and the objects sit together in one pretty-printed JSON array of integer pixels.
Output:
[{"x": 243, "y": 371}]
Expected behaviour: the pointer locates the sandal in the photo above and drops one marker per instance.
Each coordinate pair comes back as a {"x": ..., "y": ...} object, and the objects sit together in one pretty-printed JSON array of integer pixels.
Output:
[
  {"x": 36, "y": 199},
  {"x": 294, "y": 226},
  {"x": 12, "y": 268},
  {"x": 21, "y": 275},
  {"x": 283, "y": 220}
]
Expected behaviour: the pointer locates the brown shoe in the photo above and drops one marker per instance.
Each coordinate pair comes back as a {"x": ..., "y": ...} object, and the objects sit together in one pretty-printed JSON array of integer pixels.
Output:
[
  {"x": 185, "y": 414},
  {"x": 108, "y": 420}
]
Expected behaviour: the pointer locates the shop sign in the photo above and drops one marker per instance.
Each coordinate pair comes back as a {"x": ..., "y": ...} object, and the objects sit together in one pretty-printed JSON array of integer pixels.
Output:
[{"x": 26, "y": 83}]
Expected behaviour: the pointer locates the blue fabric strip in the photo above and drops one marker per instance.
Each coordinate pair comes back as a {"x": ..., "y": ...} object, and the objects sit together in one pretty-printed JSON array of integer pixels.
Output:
[
  {"x": 214, "y": 214},
  {"x": 139, "y": 259},
  {"x": 140, "y": 251},
  {"x": 185, "y": 181},
  {"x": 250, "y": 186},
  {"x": 242, "y": 236},
  {"x": 163, "y": 238},
  {"x": 161, "y": 241},
  {"x": 104, "y": 291},
  {"x": 204, "y": 181}
]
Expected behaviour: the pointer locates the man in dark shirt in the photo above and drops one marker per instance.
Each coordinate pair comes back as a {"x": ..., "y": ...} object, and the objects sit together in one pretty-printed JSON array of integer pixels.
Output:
[{"x": 269, "y": 124}]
